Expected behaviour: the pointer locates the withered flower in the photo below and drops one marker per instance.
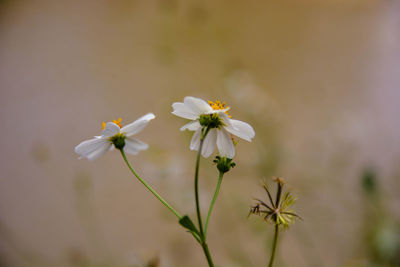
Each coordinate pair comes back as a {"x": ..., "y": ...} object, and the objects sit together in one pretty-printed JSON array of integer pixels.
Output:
[{"x": 277, "y": 211}]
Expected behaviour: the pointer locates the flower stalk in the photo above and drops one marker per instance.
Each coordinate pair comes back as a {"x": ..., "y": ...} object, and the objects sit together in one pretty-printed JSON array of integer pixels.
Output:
[
  {"x": 275, "y": 242},
  {"x": 276, "y": 211},
  {"x": 221, "y": 175},
  {"x": 204, "y": 132},
  {"x": 224, "y": 164},
  {"x": 149, "y": 187}
]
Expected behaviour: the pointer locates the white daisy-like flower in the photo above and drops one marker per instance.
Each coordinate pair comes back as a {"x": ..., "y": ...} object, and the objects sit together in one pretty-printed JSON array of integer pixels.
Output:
[
  {"x": 114, "y": 135},
  {"x": 215, "y": 117}
]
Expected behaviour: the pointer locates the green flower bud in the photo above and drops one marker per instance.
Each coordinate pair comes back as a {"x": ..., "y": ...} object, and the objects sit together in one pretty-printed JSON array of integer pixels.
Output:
[{"x": 224, "y": 164}]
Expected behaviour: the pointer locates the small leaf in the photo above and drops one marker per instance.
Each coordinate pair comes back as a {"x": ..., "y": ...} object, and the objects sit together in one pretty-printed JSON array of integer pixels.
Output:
[{"x": 187, "y": 223}]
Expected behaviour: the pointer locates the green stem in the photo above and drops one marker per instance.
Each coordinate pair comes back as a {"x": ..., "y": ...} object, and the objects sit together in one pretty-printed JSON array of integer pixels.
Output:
[
  {"x": 207, "y": 253},
  {"x": 203, "y": 243},
  {"x": 196, "y": 188},
  {"x": 276, "y": 235},
  {"x": 196, "y": 179},
  {"x": 221, "y": 175},
  {"x": 149, "y": 187}
]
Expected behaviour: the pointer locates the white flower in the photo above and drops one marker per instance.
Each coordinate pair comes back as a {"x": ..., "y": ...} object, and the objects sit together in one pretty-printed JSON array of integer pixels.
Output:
[
  {"x": 214, "y": 116},
  {"x": 114, "y": 135}
]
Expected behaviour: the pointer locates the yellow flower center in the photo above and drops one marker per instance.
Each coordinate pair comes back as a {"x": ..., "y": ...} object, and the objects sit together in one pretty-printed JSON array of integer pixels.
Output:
[
  {"x": 218, "y": 105},
  {"x": 117, "y": 122}
]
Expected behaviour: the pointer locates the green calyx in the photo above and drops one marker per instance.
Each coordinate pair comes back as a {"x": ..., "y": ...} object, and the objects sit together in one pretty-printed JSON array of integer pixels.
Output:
[
  {"x": 118, "y": 140},
  {"x": 210, "y": 121},
  {"x": 224, "y": 164}
]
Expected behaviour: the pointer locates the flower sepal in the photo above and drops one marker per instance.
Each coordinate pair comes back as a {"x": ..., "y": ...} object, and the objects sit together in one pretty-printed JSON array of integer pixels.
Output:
[
  {"x": 118, "y": 140},
  {"x": 210, "y": 121}
]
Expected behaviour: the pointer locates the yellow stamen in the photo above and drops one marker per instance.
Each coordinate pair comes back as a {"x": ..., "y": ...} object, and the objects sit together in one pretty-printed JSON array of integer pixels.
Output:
[
  {"x": 117, "y": 122},
  {"x": 218, "y": 105}
]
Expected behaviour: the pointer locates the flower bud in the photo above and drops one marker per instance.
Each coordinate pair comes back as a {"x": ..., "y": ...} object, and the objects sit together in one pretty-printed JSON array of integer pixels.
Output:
[{"x": 224, "y": 164}]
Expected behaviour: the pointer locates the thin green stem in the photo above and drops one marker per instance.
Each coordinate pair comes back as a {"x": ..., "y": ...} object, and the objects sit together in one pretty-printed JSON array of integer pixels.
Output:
[
  {"x": 196, "y": 188},
  {"x": 203, "y": 243},
  {"x": 221, "y": 175},
  {"x": 204, "y": 133},
  {"x": 276, "y": 235},
  {"x": 207, "y": 253},
  {"x": 149, "y": 187}
]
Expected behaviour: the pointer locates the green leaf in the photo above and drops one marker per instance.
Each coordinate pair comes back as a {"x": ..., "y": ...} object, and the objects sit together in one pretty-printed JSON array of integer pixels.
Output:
[{"x": 187, "y": 223}]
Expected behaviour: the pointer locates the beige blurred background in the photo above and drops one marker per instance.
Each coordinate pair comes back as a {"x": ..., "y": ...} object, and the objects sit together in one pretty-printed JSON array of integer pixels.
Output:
[{"x": 318, "y": 80}]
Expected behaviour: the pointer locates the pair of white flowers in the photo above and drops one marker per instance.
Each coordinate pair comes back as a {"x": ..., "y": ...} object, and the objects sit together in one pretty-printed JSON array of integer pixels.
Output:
[{"x": 211, "y": 115}]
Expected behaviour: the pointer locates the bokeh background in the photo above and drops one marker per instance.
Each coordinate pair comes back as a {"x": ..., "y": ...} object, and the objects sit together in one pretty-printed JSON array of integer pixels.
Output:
[{"x": 318, "y": 80}]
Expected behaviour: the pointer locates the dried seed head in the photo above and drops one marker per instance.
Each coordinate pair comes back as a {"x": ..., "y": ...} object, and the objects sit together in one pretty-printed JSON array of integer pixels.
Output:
[{"x": 276, "y": 210}]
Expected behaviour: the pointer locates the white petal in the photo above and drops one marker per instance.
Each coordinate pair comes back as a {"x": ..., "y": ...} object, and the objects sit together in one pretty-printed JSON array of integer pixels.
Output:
[
  {"x": 181, "y": 110},
  {"x": 99, "y": 152},
  {"x": 225, "y": 144},
  {"x": 92, "y": 148},
  {"x": 225, "y": 118},
  {"x": 88, "y": 146},
  {"x": 195, "y": 143},
  {"x": 133, "y": 146},
  {"x": 110, "y": 129},
  {"x": 191, "y": 126},
  {"x": 197, "y": 105},
  {"x": 209, "y": 143},
  {"x": 241, "y": 129},
  {"x": 138, "y": 125}
]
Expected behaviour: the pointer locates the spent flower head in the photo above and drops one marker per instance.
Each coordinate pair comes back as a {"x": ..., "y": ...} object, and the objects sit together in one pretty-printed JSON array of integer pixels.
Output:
[
  {"x": 211, "y": 118},
  {"x": 276, "y": 210},
  {"x": 114, "y": 135}
]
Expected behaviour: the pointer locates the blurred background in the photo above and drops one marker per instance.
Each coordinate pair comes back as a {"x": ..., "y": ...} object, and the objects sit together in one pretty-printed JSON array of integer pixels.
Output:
[{"x": 318, "y": 80}]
